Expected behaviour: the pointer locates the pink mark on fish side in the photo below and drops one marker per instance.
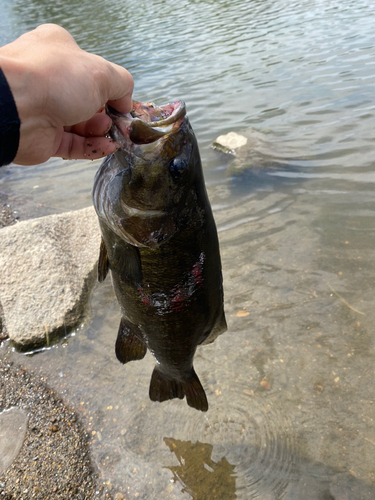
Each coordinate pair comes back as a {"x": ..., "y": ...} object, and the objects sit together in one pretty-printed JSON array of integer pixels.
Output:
[
  {"x": 144, "y": 297},
  {"x": 198, "y": 270},
  {"x": 178, "y": 300},
  {"x": 180, "y": 294}
]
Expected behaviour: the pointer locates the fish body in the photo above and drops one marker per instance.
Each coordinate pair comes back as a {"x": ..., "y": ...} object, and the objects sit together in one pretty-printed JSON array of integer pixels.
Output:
[{"x": 160, "y": 242}]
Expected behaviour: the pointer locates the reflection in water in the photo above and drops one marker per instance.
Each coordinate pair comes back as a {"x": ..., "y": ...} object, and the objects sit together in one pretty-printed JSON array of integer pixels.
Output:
[
  {"x": 200, "y": 476},
  {"x": 248, "y": 438},
  {"x": 205, "y": 479}
]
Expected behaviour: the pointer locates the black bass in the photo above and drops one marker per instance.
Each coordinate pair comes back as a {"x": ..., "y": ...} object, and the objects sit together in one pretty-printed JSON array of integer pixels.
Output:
[{"x": 160, "y": 242}]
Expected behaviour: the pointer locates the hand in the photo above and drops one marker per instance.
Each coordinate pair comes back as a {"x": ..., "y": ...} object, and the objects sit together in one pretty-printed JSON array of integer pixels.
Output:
[{"x": 60, "y": 92}]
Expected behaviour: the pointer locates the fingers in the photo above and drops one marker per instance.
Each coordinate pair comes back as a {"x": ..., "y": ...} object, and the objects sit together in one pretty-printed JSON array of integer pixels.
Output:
[
  {"x": 73, "y": 146},
  {"x": 86, "y": 140},
  {"x": 98, "y": 125}
]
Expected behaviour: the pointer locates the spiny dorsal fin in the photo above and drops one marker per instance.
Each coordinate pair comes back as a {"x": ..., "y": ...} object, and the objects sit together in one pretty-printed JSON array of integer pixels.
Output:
[{"x": 103, "y": 263}]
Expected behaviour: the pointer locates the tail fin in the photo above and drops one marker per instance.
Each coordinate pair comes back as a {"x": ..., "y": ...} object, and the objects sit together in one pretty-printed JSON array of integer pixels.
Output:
[{"x": 163, "y": 388}]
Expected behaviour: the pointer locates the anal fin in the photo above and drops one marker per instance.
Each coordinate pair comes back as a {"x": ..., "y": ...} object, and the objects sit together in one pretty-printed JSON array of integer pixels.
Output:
[
  {"x": 163, "y": 388},
  {"x": 219, "y": 328},
  {"x": 128, "y": 346}
]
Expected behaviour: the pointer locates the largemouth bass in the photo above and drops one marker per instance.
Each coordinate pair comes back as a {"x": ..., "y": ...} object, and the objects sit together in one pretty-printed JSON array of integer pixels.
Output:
[{"x": 160, "y": 242}]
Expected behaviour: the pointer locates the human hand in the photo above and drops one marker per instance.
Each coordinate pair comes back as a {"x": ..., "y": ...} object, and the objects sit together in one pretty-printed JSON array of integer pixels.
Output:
[{"x": 60, "y": 92}]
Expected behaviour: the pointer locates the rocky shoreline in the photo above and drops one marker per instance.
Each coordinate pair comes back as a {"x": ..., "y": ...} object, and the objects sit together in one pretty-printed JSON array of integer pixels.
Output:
[{"x": 50, "y": 458}]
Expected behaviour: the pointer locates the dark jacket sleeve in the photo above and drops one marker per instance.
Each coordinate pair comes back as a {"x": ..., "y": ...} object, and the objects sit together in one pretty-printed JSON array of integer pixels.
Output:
[{"x": 9, "y": 123}]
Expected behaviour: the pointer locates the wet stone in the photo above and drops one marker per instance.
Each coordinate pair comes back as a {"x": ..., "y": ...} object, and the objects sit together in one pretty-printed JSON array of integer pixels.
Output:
[
  {"x": 229, "y": 143},
  {"x": 48, "y": 270},
  {"x": 13, "y": 424}
]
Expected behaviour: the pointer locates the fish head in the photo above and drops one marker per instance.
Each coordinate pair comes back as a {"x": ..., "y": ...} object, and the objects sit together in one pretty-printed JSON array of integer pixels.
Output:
[{"x": 151, "y": 173}]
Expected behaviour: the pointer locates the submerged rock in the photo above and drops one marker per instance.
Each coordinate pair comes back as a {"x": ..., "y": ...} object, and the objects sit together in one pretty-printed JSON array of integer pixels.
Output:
[
  {"x": 229, "y": 143},
  {"x": 47, "y": 271},
  {"x": 255, "y": 150}
]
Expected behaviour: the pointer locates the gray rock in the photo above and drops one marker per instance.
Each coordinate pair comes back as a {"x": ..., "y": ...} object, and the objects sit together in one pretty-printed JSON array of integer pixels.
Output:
[{"x": 47, "y": 270}]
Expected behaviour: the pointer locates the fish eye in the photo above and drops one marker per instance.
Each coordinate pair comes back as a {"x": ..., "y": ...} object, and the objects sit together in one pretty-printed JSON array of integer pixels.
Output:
[{"x": 177, "y": 166}]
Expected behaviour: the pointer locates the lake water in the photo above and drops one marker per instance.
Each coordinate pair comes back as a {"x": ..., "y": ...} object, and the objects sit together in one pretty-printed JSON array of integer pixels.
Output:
[{"x": 291, "y": 384}]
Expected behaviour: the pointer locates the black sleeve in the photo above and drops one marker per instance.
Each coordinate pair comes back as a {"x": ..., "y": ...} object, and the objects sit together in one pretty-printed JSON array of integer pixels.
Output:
[{"x": 9, "y": 123}]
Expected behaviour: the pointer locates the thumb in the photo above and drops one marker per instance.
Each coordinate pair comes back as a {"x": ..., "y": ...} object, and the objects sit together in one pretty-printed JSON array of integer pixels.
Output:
[{"x": 119, "y": 88}]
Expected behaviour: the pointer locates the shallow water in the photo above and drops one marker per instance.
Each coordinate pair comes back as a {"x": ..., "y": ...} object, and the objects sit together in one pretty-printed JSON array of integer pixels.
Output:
[{"x": 291, "y": 384}]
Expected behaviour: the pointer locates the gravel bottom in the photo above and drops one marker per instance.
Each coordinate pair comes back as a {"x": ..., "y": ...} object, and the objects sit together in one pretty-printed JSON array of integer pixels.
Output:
[
  {"x": 8, "y": 216},
  {"x": 54, "y": 459}
]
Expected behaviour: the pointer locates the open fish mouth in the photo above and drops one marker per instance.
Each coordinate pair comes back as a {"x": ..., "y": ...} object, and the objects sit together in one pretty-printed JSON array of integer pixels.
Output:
[
  {"x": 158, "y": 116},
  {"x": 146, "y": 123}
]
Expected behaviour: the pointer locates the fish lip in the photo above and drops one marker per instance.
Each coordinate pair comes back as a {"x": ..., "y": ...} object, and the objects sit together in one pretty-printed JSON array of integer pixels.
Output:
[
  {"x": 179, "y": 110},
  {"x": 159, "y": 120},
  {"x": 147, "y": 111}
]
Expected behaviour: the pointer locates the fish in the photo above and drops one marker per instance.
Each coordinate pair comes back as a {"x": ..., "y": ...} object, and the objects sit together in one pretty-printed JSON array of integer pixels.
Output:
[{"x": 160, "y": 242}]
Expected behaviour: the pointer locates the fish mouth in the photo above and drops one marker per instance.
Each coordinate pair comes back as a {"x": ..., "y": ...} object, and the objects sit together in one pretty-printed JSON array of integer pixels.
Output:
[{"x": 146, "y": 123}]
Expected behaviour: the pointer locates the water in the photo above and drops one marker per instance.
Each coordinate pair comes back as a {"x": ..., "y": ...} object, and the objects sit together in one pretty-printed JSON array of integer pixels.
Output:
[{"x": 291, "y": 384}]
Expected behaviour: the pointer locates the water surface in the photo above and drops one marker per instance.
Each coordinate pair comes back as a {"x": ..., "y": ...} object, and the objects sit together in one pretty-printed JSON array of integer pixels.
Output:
[{"x": 291, "y": 384}]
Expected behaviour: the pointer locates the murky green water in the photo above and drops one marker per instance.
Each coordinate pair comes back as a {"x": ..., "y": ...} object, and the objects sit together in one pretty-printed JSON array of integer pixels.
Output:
[{"x": 291, "y": 384}]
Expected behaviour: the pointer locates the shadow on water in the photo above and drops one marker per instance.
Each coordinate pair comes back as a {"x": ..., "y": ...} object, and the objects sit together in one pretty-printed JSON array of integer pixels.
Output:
[
  {"x": 199, "y": 475},
  {"x": 268, "y": 177},
  {"x": 203, "y": 478}
]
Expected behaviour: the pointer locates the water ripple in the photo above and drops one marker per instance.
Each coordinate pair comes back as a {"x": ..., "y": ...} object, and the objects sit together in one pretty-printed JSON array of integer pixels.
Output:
[{"x": 252, "y": 434}]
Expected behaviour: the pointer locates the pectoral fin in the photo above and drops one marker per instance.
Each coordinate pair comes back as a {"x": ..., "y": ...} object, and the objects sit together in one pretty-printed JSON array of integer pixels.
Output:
[
  {"x": 128, "y": 346},
  {"x": 128, "y": 263},
  {"x": 103, "y": 263},
  {"x": 163, "y": 388}
]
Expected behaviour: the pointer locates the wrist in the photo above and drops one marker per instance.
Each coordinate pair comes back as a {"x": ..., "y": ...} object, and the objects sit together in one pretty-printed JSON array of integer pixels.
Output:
[{"x": 21, "y": 82}]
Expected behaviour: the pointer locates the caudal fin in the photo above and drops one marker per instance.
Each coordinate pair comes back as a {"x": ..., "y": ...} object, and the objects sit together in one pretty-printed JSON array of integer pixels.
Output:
[{"x": 163, "y": 388}]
